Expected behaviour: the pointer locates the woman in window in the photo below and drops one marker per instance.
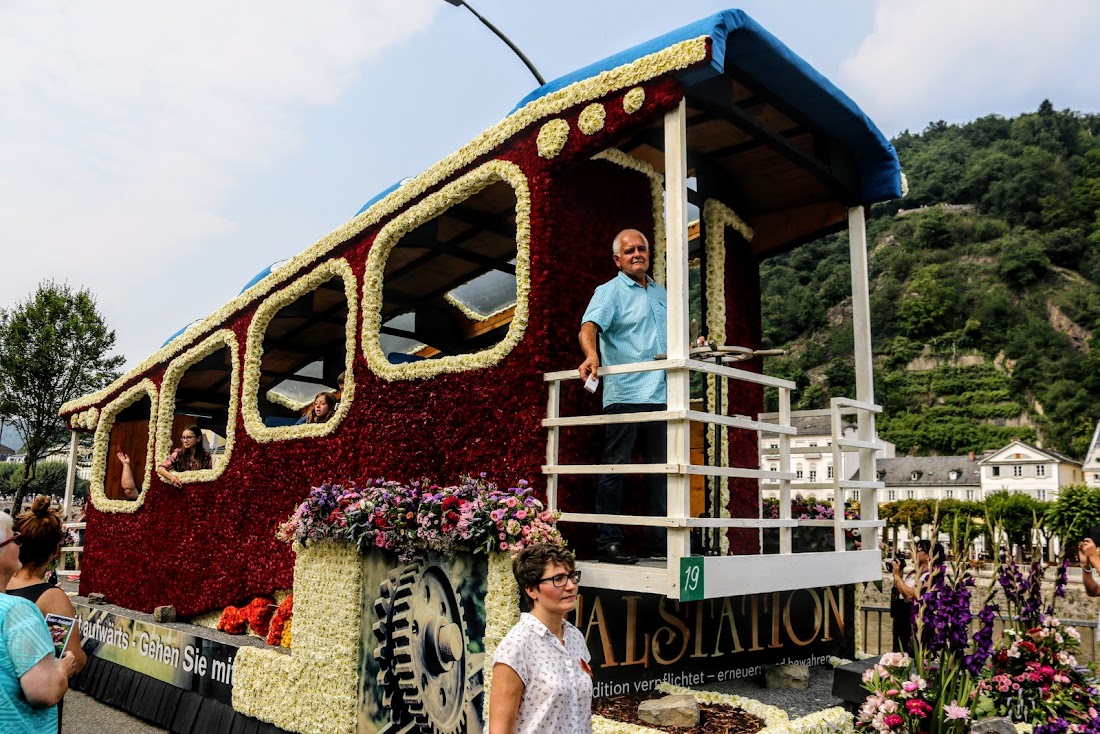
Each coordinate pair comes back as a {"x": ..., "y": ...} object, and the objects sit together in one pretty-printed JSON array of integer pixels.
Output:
[
  {"x": 324, "y": 405},
  {"x": 190, "y": 456}
]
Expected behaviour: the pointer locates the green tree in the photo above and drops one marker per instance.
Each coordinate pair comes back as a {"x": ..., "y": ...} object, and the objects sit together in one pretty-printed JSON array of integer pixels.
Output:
[
  {"x": 53, "y": 348},
  {"x": 1014, "y": 514},
  {"x": 1075, "y": 511},
  {"x": 1022, "y": 261}
]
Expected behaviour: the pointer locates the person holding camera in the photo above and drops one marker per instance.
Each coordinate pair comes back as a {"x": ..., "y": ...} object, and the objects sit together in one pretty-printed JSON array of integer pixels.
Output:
[{"x": 902, "y": 594}]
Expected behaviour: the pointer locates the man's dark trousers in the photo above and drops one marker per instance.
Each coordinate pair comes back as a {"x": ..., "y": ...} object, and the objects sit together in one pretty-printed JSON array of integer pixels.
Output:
[{"x": 620, "y": 439}]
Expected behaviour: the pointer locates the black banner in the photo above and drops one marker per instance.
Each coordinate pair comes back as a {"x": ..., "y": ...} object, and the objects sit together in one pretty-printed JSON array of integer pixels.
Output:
[{"x": 638, "y": 640}]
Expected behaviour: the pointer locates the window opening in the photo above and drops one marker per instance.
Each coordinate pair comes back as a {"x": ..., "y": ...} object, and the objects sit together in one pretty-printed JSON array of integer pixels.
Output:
[
  {"x": 1040, "y": 470},
  {"x": 450, "y": 285},
  {"x": 305, "y": 354},
  {"x": 199, "y": 392},
  {"x": 130, "y": 437},
  {"x": 1017, "y": 471},
  {"x": 995, "y": 470}
]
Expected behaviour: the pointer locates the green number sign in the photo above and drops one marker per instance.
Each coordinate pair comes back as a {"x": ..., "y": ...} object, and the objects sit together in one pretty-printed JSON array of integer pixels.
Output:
[{"x": 691, "y": 578}]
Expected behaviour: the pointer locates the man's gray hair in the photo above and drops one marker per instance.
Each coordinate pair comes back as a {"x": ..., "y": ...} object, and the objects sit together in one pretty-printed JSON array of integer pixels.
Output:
[{"x": 617, "y": 244}]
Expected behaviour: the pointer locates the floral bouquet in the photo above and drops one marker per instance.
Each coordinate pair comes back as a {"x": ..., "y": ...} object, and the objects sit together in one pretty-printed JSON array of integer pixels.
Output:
[
  {"x": 474, "y": 515},
  {"x": 1033, "y": 677},
  {"x": 933, "y": 690},
  {"x": 811, "y": 538}
]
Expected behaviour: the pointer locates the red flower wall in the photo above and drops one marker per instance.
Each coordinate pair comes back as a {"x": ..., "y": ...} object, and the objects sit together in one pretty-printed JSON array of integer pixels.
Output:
[{"x": 212, "y": 544}]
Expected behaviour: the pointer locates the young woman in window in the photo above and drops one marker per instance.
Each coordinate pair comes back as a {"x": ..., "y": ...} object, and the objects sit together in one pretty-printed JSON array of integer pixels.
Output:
[
  {"x": 324, "y": 405},
  {"x": 190, "y": 456}
]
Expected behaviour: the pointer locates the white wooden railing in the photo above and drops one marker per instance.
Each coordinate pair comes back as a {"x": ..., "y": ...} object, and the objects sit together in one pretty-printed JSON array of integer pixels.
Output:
[
  {"x": 77, "y": 549},
  {"x": 723, "y": 575}
]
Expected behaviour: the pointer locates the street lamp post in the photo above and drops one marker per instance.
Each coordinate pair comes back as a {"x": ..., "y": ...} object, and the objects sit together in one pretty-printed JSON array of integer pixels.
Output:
[{"x": 502, "y": 37}]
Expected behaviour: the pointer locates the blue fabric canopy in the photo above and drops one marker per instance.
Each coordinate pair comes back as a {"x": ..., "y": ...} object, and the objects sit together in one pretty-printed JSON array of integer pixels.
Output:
[{"x": 738, "y": 39}]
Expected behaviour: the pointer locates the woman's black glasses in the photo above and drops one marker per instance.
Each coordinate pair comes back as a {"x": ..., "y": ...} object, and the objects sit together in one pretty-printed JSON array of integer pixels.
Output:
[{"x": 560, "y": 579}]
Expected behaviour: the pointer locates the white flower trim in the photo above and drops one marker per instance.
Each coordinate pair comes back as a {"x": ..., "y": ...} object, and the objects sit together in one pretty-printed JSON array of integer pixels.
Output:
[
  {"x": 552, "y": 138},
  {"x": 633, "y": 100},
  {"x": 254, "y": 354},
  {"x": 776, "y": 720},
  {"x": 501, "y": 614},
  {"x": 716, "y": 217},
  {"x": 280, "y": 399},
  {"x": 315, "y": 687},
  {"x": 87, "y": 419},
  {"x": 102, "y": 444},
  {"x": 657, "y": 194},
  {"x": 172, "y": 376},
  {"x": 592, "y": 119},
  {"x": 673, "y": 58},
  {"x": 904, "y": 185},
  {"x": 431, "y": 207},
  {"x": 471, "y": 314}
]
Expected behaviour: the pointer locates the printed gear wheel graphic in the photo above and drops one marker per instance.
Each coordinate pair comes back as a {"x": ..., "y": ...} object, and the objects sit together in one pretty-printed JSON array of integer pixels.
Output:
[{"x": 437, "y": 678}]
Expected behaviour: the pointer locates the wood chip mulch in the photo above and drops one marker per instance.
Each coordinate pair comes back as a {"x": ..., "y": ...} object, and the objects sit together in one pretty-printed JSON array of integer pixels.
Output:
[{"x": 713, "y": 719}]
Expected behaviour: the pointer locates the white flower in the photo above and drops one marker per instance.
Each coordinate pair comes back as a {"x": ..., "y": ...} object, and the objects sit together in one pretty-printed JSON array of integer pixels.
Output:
[
  {"x": 592, "y": 119},
  {"x": 633, "y": 100},
  {"x": 552, "y": 138}
]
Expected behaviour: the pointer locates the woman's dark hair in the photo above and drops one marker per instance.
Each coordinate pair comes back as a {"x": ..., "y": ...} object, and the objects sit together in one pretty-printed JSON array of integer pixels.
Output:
[
  {"x": 530, "y": 563},
  {"x": 330, "y": 399},
  {"x": 40, "y": 532},
  {"x": 198, "y": 450},
  {"x": 938, "y": 556}
]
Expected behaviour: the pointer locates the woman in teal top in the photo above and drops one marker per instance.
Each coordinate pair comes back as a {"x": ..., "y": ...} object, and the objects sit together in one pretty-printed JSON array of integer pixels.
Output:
[{"x": 32, "y": 680}]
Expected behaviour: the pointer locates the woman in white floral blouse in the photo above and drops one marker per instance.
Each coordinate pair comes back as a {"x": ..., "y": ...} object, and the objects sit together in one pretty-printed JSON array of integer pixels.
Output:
[{"x": 542, "y": 674}]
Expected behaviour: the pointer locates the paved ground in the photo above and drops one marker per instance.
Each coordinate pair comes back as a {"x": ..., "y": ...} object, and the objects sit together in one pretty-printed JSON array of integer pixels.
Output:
[{"x": 85, "y": 715}]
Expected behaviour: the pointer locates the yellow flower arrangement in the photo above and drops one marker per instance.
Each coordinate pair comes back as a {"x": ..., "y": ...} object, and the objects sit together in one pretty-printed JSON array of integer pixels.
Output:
[
  {"x": 254, "y": 353},
  {"x": 451, "y": 194},
  {"x": 673, "y": 58},
  {"x": 501, "y": 613},
  {"x": 102, "y": 442},
  {"x": 314, "y": 687},
  {"x": 657, "y": 194},
  {"x": 592, "y": 119},
  {"x": 552, "y": 138},
  {"x": 172, "y": 376},
  {"x": 633, "y": 100}
]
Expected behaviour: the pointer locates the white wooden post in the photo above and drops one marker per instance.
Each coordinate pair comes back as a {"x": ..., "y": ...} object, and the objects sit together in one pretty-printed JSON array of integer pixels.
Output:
[
  {"x": 553, "y": 407},
  {"x": 70, "y": 477},
  {"x": 865, "y": 382},
  {"x": 676, "y": 278},
  {"x": 784, "y": 466}
]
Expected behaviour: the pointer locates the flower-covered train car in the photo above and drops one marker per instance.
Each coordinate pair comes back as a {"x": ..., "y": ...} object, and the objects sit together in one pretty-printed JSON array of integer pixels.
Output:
[{"x": 449, "y": 301}]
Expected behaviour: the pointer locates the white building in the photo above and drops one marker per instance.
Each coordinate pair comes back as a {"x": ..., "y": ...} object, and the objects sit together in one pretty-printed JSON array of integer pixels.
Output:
[
  {"x": 1092, "y": 460},
  {"x": 812, "y": 458},
  {"x": 930, "y": 478},
  {"x": 1021, "y": 467}
]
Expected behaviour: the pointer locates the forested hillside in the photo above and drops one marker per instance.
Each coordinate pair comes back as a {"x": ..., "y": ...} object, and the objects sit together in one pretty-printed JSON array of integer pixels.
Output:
[{"x": 985, "y": 290}]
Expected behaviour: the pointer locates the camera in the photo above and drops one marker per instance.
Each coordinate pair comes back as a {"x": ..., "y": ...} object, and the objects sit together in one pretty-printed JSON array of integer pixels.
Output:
[{"x": 890, "y": 564}]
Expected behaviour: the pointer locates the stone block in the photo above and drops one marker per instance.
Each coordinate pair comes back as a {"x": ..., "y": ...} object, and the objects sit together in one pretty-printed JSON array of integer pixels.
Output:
[
  {"x": 164, "y": 614},
  {"x": 96, "y": 599},
  {"x": 788, "y": 676},
  {"x": 678, "y": 710},
  {"x": 999, "y": 725}
]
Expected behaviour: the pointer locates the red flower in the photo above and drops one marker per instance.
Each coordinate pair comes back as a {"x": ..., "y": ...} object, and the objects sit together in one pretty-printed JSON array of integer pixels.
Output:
[
  {"x": 893, "y": 721},
  {"x": 278, "y": 623}
]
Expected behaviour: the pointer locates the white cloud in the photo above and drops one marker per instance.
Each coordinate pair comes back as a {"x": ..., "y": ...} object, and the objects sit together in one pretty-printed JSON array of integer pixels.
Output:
[
  {"x": 125, "y": 124},
  {"x": 973, "y": 57}
]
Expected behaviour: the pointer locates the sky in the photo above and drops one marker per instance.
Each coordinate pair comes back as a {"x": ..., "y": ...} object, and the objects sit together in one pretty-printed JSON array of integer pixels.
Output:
[{"x": 161, "y": 154}]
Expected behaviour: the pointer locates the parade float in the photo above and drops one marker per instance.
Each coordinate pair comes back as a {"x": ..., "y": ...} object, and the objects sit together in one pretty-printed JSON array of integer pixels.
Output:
[{"x": 445, "y": 313}]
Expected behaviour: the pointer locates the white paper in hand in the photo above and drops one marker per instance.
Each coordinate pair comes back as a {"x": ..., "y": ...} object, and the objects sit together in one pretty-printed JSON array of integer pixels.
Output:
[{"x": 591, "y": 383}]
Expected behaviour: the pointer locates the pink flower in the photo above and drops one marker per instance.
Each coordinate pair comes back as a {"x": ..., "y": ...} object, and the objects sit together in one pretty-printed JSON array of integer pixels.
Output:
[
  {"x": 893, "y": 720},
  {"x": 521, "y": 515},
  {"x": 504, "y": 546},
  {"x": 954, "y": 711}
]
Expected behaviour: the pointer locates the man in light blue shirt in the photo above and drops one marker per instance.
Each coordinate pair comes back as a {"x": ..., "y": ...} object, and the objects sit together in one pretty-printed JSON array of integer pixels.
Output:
[{"x": 626, "y": 318}]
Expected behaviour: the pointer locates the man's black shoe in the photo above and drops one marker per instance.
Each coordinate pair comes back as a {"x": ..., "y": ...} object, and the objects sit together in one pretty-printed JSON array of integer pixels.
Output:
[{"x": 615, "y": 553}]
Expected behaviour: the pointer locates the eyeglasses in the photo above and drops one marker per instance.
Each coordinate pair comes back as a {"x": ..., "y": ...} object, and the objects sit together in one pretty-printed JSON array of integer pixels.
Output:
[
  {"x": 560, "y": 579},
  {"x": 187, "y": 437},
  {"x": 15, "y": 539}
]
